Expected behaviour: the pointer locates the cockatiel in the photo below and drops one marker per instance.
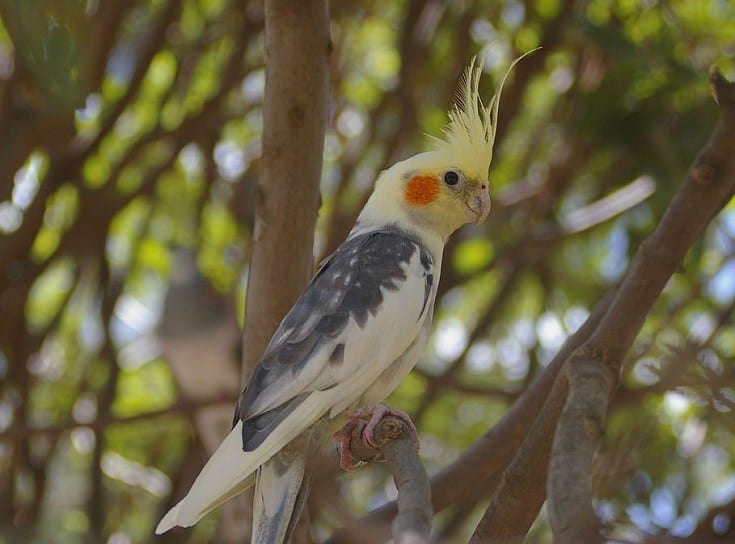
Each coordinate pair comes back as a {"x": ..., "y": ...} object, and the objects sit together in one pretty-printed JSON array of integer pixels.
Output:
[{"x": 360, "y": 325}]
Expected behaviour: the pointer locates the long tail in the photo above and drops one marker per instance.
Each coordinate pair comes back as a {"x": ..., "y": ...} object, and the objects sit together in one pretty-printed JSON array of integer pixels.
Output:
[
  {"x": 280, "y": 493},
  {"x": 230, "y": 470}
]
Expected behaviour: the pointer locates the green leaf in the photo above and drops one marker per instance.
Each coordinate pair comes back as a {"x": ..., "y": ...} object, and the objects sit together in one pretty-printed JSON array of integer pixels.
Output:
[{"x": 473, "y": 255}]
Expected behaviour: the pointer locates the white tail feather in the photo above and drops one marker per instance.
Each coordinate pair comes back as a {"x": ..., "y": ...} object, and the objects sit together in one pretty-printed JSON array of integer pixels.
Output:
[
  {"x": 230, "y": 469},
  {"x": 279, "y": 495},
  {"x": 169, "y": 521}
]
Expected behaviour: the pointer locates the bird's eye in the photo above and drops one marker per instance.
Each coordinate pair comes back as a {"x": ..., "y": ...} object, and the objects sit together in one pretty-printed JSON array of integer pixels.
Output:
[{"x": 451, "y": 178}]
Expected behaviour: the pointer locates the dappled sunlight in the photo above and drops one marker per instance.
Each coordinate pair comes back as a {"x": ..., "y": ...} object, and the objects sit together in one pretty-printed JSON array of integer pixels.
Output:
[{"x": 132, "y": 170}]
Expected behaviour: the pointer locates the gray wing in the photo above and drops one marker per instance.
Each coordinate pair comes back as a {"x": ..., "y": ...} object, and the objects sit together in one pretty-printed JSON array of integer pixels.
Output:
[{"x": 349, "y": 285}]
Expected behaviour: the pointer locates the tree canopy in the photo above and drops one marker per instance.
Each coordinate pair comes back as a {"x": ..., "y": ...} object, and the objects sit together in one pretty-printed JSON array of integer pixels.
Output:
[{"x": 130, "y": 172}]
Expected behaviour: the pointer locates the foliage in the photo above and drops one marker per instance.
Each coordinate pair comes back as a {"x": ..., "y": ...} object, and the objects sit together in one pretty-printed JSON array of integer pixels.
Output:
[{"x": 130, "y": 137}]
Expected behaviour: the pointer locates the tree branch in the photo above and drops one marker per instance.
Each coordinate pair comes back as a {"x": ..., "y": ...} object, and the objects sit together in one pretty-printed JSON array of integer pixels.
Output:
[
  {"x": 581, "y": 425},
  {"x": 297, "y": 50},
  {"x": 412, "y": 524},
  {"x": 530, "y": 423},
  {"x": 593, "y": 370},
  {"x": 478, "y": 467},
  {"x": 182, "y": 407},
  {"x": 294, "y": 121},
  {"x": 153, "y": 43}
]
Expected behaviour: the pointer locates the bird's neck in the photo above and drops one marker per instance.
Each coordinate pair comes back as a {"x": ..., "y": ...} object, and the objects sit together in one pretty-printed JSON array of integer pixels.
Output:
[{"x": 368, "y": 221}]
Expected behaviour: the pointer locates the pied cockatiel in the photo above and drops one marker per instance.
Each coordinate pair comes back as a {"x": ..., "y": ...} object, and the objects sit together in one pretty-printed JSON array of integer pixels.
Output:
[{"x": 358, "y": 328}]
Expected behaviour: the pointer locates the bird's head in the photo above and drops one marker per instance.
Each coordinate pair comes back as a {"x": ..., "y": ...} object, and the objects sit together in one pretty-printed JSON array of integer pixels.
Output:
[{"x": 440, "y": 190}]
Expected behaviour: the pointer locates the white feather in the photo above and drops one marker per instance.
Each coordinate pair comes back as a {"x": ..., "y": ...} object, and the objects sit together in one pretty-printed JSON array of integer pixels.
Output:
[
  {"x": 277, "y": 492},
  {"x": 230, "y": 466},
  {"x": 378, "y": 355},
  {"x": 368, "y": 352}
]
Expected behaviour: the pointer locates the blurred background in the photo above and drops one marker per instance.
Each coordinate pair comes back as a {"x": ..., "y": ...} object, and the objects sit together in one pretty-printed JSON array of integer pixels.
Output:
[{"x": 129, "y": 159}]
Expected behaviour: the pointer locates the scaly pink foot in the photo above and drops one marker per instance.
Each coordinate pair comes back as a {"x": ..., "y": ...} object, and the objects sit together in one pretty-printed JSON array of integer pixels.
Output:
[
  {"x": 344, "y": 439},
  {"x": 372, "y": 417}
]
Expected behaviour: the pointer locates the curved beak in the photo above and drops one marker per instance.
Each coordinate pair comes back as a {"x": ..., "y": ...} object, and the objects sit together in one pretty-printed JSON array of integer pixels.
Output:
[{"x": 478, "y": 204}]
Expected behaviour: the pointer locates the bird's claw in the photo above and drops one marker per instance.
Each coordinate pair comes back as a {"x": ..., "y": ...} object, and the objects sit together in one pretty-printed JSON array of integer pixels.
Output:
[
  {"x": 344, "y": 440},
  {"x": 371, "y": 418}
]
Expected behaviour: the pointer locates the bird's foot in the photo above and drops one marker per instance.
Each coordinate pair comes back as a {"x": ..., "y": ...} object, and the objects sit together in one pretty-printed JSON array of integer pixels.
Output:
[
  {"x": 373, "y": 417},
  {"x": 344, "y": 437},
  {"x": 362, "y": 426}
]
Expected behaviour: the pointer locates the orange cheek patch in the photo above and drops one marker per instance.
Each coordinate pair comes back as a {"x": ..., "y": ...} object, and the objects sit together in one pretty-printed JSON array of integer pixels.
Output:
[{"x": 422, "y": 190}]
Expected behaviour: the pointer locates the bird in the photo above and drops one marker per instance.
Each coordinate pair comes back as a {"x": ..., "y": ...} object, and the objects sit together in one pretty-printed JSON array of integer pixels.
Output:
[{"x": 359, "y": 326}]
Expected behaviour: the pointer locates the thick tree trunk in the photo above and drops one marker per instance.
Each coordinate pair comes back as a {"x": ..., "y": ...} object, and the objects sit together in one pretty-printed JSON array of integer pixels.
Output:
[{"x": 294, "y": 120}]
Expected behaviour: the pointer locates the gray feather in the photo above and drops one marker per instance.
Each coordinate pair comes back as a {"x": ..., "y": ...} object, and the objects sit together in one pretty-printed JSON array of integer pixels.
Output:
[
  {"x": 280, "y": 493},
  {"x": 349, "y": 285}
]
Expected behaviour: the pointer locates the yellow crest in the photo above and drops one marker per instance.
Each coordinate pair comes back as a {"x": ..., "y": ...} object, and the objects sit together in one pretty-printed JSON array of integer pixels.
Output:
[{"x": 470, "y": 134}]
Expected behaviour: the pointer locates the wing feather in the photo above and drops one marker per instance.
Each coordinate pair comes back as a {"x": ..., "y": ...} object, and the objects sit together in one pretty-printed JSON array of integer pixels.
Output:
[
  {"x": 361, "y": 313},
  {"x": 350, "y": 287}
]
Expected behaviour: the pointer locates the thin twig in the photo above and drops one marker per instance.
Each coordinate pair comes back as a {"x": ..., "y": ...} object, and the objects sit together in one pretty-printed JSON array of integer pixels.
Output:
[{"x": 182, "y": 407}]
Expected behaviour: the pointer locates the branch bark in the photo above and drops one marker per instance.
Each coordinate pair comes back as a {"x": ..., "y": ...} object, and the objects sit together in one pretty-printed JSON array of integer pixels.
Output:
[
  {"x": 478, "y": 468},
  {"x": 593, "y": 370},
  {"x": 287, "y": 201},
  {"x": 581, "y": 426},
  {"x": 524, "y": 479},
  {"x": 530, "y": 423},
  {"x": 412, "y": 524},
  {"x": 297, "y": 48}
]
